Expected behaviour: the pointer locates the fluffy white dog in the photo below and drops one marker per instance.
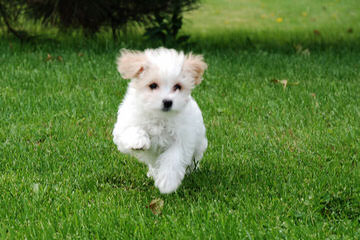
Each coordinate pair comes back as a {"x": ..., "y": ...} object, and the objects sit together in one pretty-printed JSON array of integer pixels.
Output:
[{"x": 158, "y": 121}]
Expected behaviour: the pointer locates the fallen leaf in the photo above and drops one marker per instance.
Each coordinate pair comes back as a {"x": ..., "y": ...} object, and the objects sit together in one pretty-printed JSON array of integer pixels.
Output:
[
  {"x": 48, "y": 58},
  {"x": 313, "y": 95},
  {"x": 156, "y": 206},
  {"x": 317, "y": 32},
  {"x": 60, "y": 58},
  {"x": 300, "y": 50},
  {"x": 284, "y": 83},
  {"x": 306, "y": 52},
  {"x": 80, "y": 54}
]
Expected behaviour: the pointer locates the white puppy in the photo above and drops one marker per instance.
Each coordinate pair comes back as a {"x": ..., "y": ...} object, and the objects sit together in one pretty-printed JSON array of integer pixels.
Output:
[{"x": 158, "y": 121}]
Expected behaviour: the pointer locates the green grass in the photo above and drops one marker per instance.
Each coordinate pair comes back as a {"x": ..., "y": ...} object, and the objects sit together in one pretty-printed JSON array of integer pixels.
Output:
[
  {"x": 274, "y": 23},
  {"x": 281, "y": 163}
]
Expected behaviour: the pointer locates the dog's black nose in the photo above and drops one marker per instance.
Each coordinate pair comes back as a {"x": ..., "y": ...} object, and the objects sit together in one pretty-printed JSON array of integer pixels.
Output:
[{"x": 167, "y": 104}]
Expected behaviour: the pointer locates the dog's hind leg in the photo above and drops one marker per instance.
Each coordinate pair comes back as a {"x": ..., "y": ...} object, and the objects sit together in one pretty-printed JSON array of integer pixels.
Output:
[{"x": 198, "y": 154}]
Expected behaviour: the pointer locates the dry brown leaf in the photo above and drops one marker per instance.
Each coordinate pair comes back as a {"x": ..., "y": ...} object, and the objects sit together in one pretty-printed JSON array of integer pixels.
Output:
[
  {"x": 80, "y": 54},
  {"x": 60, "y": 58},
  {"x": 313, "y": 95},
  {"x": 156, "y": 206},
  {"x": 317, "y": 32},
  {"x": 48, "y": 58},
  {"x": 284, "y": 82}
]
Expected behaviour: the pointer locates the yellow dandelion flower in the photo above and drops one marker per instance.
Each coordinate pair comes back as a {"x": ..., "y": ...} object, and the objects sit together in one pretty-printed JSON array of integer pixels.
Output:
[
  {"x": 279, "y": 19},
  {"x": 304, "y": 14}
]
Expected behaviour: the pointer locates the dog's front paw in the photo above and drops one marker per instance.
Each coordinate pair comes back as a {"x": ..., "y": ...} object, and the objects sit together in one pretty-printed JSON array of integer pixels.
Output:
[
  {"x": 168, "y": 181},
  {"x": 138, "y": 143}
]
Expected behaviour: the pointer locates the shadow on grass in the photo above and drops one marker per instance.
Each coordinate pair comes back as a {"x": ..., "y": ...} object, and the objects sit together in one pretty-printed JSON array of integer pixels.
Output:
[
  {"x": 133, "y": 178},
  {"x": 277, "y": 41},
  {"x": 214, "y": 183},
  {"x": 342, "y": 205},
  {"x": 130, "y": 176},
  {"x": 126, "y": 182}
]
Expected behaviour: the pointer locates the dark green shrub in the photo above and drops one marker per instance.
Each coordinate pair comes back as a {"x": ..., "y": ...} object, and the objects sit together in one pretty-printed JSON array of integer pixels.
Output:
[
  {"x": 10, "y": 13},
  {"x": 93, "y": 14},
  {"x": 165, "y": 27}
]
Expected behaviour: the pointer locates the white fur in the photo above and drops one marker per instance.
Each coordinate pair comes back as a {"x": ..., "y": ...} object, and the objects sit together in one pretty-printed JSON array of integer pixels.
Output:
[{"x": 172, "y": 142}]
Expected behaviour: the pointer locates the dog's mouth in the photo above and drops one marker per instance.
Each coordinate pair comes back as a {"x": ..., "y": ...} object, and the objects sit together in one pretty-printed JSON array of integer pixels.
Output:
[{"x": 166, "y": 109}]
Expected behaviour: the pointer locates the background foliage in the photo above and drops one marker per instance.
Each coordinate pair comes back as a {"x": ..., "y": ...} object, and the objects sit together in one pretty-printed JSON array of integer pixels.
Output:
[
  {"x": 163, "y": 18},
  {"x": 280, "y": 104}
]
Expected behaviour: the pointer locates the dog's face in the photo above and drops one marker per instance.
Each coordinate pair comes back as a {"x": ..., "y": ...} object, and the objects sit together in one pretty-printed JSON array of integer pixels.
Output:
[{"x": 162, "y": 78}]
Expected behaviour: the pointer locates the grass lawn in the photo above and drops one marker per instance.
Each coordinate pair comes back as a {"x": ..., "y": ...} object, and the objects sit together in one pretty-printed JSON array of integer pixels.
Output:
[{"x": 282, "y": 162}]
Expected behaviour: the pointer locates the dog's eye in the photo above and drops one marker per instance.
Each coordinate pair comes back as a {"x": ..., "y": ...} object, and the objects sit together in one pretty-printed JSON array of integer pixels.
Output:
[
  {"x": 177, "y": 87},
  {"x": 153, "y": 86}
]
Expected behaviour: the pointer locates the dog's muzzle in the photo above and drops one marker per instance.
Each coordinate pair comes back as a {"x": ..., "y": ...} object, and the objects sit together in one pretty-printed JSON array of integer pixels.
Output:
[{"x": 167, "y": 104}]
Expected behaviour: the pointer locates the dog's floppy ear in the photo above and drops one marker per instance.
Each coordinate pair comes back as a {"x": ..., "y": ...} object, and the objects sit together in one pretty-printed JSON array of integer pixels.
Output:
[
  {"x": 195, "y": 65},
  {"x": 131, "y": 63}
]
